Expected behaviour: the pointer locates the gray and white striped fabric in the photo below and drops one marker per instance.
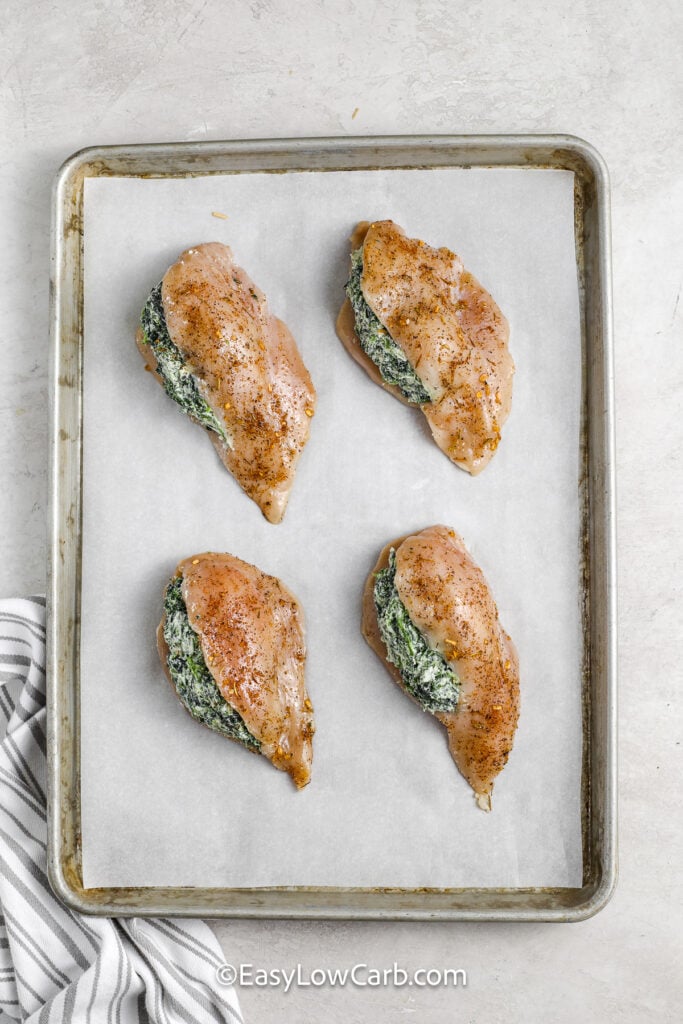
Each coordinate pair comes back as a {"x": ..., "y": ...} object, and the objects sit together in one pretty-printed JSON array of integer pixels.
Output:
[{"x": 56, "y": 965}]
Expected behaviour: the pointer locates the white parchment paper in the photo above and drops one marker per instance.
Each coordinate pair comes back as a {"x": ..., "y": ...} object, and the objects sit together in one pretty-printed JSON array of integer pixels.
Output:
[{"x": 164, "y": 800}]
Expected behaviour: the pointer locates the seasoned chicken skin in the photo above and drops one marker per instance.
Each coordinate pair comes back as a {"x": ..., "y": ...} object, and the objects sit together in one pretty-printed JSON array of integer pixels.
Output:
[
  {"x": 452, "y": 332},
  {"x": 448, "y": 599},
  {"x": 246, "y": 367},
  {"x": 251, "y": 633}
]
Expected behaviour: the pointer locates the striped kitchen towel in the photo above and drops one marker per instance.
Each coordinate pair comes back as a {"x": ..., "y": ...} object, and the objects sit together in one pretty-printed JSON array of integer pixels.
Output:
[{"x": 56, "y": 965}]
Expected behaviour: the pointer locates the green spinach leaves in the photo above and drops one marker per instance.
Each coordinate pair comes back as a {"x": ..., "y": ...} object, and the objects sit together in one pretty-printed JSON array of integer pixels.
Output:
[
  {"x": 179, "y": 383},
  {"x": 425, "y": 672},
  {"x": 378, "y": 344},
  {"x": 196, "y": 687}
]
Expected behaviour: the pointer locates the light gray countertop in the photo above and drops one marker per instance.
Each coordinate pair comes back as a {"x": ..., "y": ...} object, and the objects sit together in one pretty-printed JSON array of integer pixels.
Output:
[{"x": 75, "y": 75}]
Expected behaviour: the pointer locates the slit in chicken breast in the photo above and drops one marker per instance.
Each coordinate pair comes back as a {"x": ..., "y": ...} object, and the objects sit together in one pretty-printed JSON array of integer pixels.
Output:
[
  {"x": 429, "y": 615},
  {"x": 208, "y": 337},
  {"x": 232, "y": 644},
  {"x": 425, "y": 330}
]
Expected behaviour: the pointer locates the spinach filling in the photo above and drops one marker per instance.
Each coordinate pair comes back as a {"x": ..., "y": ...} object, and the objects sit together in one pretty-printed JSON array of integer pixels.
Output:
[
  {"x": 378, "y": 344},
  {"x": 195, "y": 685},
  {"x": 425, "y": 672},
  {"x": 179, "y": 383}
]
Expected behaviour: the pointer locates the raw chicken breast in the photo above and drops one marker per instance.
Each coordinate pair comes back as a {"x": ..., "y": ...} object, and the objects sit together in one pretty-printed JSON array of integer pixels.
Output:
[
  {"x": 418, "y": 304},
  {"x": 467, "y": 672},
  {"x": 232, "y": 644},
  {"x": 209, "y": 338}
]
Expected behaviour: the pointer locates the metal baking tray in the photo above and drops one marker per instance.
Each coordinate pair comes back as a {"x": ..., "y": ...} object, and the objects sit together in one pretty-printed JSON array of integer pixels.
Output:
[{"x": 592, "y": 229}]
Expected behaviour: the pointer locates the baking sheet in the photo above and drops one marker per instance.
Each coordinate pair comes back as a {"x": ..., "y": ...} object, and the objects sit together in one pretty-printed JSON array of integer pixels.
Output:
[{"x": 166, "y": 802}]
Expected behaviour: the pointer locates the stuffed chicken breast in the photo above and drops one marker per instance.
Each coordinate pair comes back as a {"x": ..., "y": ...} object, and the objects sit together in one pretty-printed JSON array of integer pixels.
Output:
[
  {"x": 428, "y": 332},
  {"x": 208, "y": 336},
  {"x": 430, "y": 616},
  {"x": 232, "y": 644}
]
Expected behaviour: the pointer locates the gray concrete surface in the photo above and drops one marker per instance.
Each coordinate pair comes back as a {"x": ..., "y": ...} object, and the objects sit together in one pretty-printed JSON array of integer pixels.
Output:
[{"x": 74, "y": 75}]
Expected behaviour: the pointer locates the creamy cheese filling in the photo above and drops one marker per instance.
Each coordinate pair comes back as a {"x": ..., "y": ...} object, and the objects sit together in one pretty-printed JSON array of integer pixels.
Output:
[
  {"x": 377, "y": 342},
  {"x": 196, "y": 687},
  {"x": 179, "y": 382},
  {"x": 425, "y": 672}
]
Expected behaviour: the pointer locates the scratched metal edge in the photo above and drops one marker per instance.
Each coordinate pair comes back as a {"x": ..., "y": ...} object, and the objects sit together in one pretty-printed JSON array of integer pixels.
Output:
[
  {"x": 64, "y": 530},
  {"x": 596, "y": 496}
]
